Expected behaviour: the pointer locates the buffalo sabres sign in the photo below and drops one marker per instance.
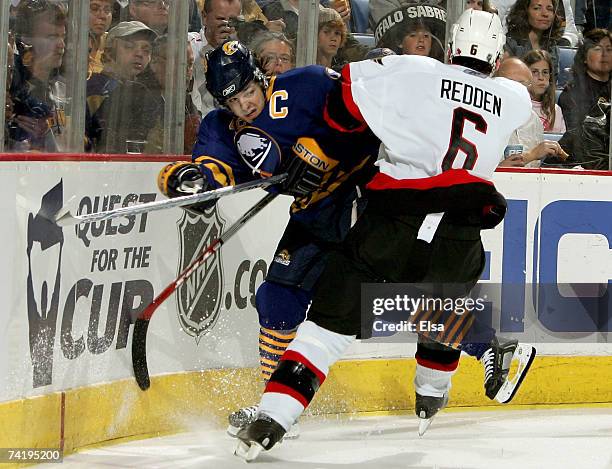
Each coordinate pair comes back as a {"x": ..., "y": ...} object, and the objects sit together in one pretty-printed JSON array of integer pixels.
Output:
[
  {"x": 199, "y": 297},
  {"x": 258, "y": 150}
]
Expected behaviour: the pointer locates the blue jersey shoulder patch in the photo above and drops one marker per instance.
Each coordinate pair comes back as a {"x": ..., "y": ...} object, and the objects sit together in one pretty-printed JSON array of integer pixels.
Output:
[{"x": 259, "y": 151}]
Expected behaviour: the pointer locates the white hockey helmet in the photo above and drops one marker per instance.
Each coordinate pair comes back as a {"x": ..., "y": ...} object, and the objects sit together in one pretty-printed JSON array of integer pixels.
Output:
[{"x": 478, "y": 35}]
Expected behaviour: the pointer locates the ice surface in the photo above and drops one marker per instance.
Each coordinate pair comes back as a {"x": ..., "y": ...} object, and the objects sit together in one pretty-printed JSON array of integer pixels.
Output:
[{"x": 514, "y": 439}]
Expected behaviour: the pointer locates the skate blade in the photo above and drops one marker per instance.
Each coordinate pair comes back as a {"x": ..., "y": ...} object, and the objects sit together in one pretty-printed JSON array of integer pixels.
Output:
[
  {"x": 246, "y": 451},
  {"x": 424, "y": 425},
  {"x": 525, "y": 354}
]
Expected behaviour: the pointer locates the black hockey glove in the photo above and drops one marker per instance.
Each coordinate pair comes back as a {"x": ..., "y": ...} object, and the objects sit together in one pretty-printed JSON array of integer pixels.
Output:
[
  {"x": 306, "y": 168},
  {"x": 493, "y": 213},
  {"x": 302, "y": 179},
  {"x": 180, "y": 179}
]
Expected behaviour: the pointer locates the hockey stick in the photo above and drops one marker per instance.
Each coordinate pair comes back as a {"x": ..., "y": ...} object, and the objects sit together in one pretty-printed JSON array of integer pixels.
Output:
[
  {"x": 139, "y": 339},
  {"x": 65, "y": 218}
]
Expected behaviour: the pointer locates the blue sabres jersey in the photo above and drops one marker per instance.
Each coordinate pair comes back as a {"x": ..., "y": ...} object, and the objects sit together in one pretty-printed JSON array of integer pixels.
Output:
[{"x": 294, "y": 120}]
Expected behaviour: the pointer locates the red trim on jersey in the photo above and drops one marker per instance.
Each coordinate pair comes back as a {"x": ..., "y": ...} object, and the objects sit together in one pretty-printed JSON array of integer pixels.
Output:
[
  {"x": 437, "y": 366},
  {"x": 336, "y": 126},
  {"x": 298, "y": 357},
  {"x": 448, "y": 178},
  {"x": 347, "y": 95},
  {"x": 273, "y": 386}
]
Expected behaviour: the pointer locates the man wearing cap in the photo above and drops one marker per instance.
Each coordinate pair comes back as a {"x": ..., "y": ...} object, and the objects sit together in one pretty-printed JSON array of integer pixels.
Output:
[{"x": 114, "y": 101}]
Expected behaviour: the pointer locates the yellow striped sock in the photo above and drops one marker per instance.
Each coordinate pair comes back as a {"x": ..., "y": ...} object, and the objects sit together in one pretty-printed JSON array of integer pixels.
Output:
[{"x": 272, "y": 345}]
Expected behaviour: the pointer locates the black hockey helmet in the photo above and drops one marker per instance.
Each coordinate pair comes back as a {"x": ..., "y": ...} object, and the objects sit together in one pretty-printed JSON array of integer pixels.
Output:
[{"x": 229, "y": 69}]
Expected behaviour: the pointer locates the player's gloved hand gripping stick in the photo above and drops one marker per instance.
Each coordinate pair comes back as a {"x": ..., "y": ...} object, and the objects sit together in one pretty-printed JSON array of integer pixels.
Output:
[{"x": 65, "y": 218}]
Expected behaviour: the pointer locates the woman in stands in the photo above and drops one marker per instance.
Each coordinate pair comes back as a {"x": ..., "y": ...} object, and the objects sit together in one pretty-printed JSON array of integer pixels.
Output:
[
  {"x": 591, "y": 77},
  {"x": 542, "y": 91},
  {"x": 534, "y": 25}
]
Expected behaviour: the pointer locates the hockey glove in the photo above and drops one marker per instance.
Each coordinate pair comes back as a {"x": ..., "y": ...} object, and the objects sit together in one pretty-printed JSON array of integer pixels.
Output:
[
  {"x": 180, "y": 179},
  {"x": 493, "y": 213},
  {"x": 306, "y": 169}
]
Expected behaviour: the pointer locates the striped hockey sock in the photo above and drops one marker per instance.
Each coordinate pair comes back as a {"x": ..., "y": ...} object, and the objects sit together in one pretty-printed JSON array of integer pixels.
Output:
[
  {"x": 436, "y": 365},
  {"x": 272, "y": 345},
  {"x": 302, "y": 369}
]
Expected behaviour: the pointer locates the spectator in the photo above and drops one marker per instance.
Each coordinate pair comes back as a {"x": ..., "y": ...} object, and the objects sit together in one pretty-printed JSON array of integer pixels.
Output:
[
  {"x": 526, "y": 146},
  {"x": 154, "y": 78},
  {"x": 215, "y": 31},
  {"x": 591, "y": 81},
  {"x": 332, "y": 36},
  {"x": 571, "y": 35},
  {"x": 543, "y": 96},
  {"x": 38, "y": 90},
  {"x": 419, "y": 40},
  {"x": 118, "y": 107},
  {"x": 274, "y": 52},
  {"x": 153, "y": 13},
  {"x": 534, "y": 25},
  {"x": 100, "y": 18},
  {"x": 591, "y": 77}
]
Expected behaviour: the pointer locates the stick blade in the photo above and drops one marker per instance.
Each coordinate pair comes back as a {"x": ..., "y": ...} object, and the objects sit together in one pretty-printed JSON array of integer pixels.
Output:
[
  {"x": 139, "y": 354},
  {"x": 64, "y": 217}
]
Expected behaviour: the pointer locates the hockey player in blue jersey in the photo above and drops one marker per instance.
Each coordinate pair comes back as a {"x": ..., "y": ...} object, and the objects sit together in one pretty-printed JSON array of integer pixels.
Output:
[{"x": 284, "y": 124}]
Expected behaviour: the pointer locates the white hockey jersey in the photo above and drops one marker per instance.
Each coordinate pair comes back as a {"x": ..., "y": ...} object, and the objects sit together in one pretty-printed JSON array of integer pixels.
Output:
[{"x": 433, "y": 117}]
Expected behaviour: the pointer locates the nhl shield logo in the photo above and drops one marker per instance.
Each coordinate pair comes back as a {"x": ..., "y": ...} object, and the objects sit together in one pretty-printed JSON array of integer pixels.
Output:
[{"x": 199, "y": 297}]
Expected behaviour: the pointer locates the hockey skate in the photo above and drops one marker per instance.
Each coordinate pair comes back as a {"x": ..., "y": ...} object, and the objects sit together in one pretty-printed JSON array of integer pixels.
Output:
[
  {"x": 497, "y": 360},
  {"x": 242, "y": 417},
  {"x": 262, "y": 434},
  {"x": 426, "y": 407}
]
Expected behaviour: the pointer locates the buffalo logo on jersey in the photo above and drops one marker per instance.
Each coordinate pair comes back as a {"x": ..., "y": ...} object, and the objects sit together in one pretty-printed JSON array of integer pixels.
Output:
[
  {"x": 230, "y": 47},
  {"x": 258, "y": 150},
  {"x": 199, "y": 297}
]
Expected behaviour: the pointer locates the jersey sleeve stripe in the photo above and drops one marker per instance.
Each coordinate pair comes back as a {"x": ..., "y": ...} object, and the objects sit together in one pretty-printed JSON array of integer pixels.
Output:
[{"x": 221, "y": 172}]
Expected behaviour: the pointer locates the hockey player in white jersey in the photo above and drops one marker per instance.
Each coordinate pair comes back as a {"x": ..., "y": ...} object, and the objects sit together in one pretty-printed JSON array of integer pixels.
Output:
[{"x": 443, "y": 129}]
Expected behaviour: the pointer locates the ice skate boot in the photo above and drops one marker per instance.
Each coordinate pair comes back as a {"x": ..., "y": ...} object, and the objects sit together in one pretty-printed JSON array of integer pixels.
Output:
[
  {"x": 497, "y": 360},
  {"x": 426, "y": 407},
  {"x": 262, "y": 434},
  {"x": 242, "y": 417}
]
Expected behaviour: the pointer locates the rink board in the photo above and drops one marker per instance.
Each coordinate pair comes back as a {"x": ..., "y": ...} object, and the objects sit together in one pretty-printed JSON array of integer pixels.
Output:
[{"x": 92, "y": 280}]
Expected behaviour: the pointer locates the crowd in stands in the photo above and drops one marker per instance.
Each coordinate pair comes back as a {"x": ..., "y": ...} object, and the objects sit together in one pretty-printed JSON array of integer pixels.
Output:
[{"x": 128, "y": 50}]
